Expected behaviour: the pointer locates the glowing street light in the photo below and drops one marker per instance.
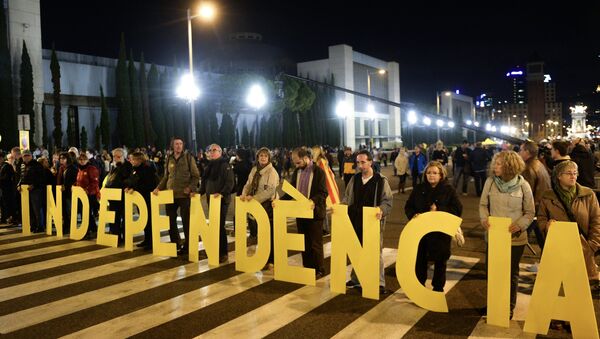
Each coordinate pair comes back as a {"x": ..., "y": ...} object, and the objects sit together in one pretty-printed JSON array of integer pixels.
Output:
[
  {"x": 476, "y": 123},
  {"x": 412, "y": 117},
  {"x": 207, "y": 11},
  {"x": 451, "y": 124},
  {"x": 427, "y": 121},
  {"x": 469, "y": 122},
  {"x": 342, "y": 109},
  {"x": 187, "y": 88},
  {"x": 256, "y": 97},
  {"x": 439, "y": 123}
]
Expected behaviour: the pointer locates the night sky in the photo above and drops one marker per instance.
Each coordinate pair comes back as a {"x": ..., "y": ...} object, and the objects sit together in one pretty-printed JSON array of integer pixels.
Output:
[{"x": 466, "y": 46}]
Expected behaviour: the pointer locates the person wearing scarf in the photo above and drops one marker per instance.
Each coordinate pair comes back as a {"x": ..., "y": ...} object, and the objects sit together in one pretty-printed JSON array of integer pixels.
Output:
[
  {"x": 434, "y": 193},
  {"x": 507, "y": 194},
  {"x": 262, "y": 186},
  {"x": 570, "y": 201},
  {"x": 218, "y": 179}
]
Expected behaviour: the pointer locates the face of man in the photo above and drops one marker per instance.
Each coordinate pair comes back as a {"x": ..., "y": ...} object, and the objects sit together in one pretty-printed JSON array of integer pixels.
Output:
[
  {"x": 135, "y": 162},
  {"x": 177, "y": 146},
  {"x": 118, "y": 158},
  {"x": 300, "y": 163},
  {"x": 215, "y": 152},
  {"x": 524, "y": 153},
  {"x": 27, "y": 158},
  {"x": 16, "y": 154},
  {"x": 364, "y": 164}
]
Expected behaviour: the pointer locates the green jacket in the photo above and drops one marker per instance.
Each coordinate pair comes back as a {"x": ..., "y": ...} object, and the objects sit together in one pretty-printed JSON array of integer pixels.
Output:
[{"x": 179, "y": 174}]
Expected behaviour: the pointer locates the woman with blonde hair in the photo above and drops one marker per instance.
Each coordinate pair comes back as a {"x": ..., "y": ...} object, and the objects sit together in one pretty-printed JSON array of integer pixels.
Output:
[
  {"x": 401, "y": 165},
  {"x": 507, "y": 194},
  {"x": 433, "y": 194}
]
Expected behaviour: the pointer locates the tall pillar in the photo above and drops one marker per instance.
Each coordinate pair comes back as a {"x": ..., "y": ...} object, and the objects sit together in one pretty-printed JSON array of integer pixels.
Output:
[
  {"x": 395, "y": 121},
  {"x": 24, "y": 24},
  {"x": 341, "y": 66}
]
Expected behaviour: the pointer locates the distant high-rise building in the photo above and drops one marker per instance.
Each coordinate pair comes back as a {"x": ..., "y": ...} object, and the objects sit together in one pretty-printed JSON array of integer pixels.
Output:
[
  {"x": 519, "y": 85},
  {"x": 536, "y": 98}
]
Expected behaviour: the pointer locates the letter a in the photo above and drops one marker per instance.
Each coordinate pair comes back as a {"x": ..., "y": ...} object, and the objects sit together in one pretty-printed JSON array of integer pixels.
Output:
[{"x": 562, "y": 263}]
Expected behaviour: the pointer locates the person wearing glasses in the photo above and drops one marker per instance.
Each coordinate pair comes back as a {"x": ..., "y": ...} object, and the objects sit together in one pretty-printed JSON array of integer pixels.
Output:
[
  {"x": 218, "y": 180},
  {"x": 570, "y": 201},
  {"x": 182, "y": 176}
]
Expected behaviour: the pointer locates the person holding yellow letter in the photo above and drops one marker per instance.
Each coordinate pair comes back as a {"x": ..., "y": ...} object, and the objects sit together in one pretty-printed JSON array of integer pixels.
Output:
[
  {"x": 368, "y": 189},
  {"x": 309, "y": 179},
  {"x": 262, "y": 186},
  {"x": 433, "y": 194},
  {"x": 569, "y": 201},
  {"x": 507, "y": 194}
]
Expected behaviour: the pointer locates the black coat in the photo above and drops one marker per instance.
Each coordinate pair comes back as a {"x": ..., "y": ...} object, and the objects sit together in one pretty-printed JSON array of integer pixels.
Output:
[
  {"x": 118, "y": 175},
  {"x": 32, "y": 174},
  {"x": 446, "y": 200},
  {"x": 585, "y": 166},
  {"x": 218, "y": 178},
  {"x": 143, "y": 179},
  {"x": 318, "y": 191}
]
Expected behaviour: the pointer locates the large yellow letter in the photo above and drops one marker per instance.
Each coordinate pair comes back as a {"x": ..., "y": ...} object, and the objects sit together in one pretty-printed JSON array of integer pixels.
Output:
[
  {"x": 254, "y": 263},
  {"x": 133, "y": 227},
  {"x": 159, "y": 222},
  {"x": 54, "y": 211},
  {"x": 106, "y": 216},
  {"x": 407, "y": 257},
  {"x": 25, "y": 220},
  {"x": 78, "y": 194},
  {"x": 299, "y": 208},
  {"x": 562, "y": 263},
  {"x": 209, "y": 233},
  {"x": 498, "y": 292},
  {"x": 365, "y": 259}
]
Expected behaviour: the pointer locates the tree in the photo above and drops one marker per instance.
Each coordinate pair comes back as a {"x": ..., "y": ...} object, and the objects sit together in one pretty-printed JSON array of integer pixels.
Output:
[
  {"x": 245, "y": 135},
  {"x": 57, "y": 134},
  {"x": 167, "y": 102},
  {"x": 227, "y": 131},
  {"x": 8, "y": 116},
  {"x": 148, "y": 126},
  {"x": 125, "y": 118},
  {"x": 26, "y": 94},
  {"x": 97, "y": 137},
  {"x": 72, "y": 130},
  {"x": 136, "y": 104},
  {"x": 104, "y": 124},
  {"x": 155, "y": 107},
  {"x": 84, "y": 138},
  {"x": 44, "y": 128}
]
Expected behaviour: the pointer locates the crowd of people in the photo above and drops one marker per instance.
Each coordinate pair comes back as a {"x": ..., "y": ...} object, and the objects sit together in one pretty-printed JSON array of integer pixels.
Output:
[{"x": 532, "y": 184}]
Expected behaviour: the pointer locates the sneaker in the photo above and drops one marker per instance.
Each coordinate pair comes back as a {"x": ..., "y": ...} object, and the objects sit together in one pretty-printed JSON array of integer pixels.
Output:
[
  {"x": 533, "y": 268},
  {"x": 351, "y": 284},
  {"x": 383, "y": 290}
]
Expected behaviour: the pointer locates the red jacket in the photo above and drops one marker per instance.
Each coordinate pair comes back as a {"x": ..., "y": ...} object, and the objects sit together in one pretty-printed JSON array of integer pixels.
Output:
[{"x": 88, "y": 179}]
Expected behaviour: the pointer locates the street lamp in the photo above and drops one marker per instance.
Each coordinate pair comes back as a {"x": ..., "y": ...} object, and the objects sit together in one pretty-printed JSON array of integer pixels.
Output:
[
  {"x": 380, "y": 72},
  {"x": 371, "y": 112},
  {"x": 207, "y": 11},
  {"x": 256, "y": 97}
]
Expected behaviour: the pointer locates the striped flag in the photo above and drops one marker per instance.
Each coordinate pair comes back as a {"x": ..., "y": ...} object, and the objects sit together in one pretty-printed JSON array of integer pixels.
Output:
[{"x": 332, "y": 188}]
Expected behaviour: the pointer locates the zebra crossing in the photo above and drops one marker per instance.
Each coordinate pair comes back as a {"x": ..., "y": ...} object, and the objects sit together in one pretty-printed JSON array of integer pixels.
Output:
[{"x": 52, "y": 287}]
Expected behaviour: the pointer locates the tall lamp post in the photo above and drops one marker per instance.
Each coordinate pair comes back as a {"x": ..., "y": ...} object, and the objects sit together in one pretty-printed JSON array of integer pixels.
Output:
[
  {"x": 370, "y": 108},
  {"x": 207, "y": 12}
]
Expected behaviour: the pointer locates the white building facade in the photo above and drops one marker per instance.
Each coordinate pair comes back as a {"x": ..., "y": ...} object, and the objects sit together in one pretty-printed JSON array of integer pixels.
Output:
[{"x": 366, "y": 120}]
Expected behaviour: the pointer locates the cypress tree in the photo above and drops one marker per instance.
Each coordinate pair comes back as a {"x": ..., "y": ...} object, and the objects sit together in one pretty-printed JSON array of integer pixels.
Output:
[
  {"x": 8, "y": 116},
  {"x": 71, "y": 130},
  {"x": 104, "y": 134},
  {"x": 26, "y": 94},
  {"x": 167, "y": 108},
  {"x": 148, "y": 127},
  {"x": 213, "y": 125},
  {"x": 44, "y": 128},
  {"x": 155, "y": 107},
  {"x": 57, "y": 134},
  {"x": 97, "y": 137},
  {"x": 227, "y": 131},
  {"x": 84, "y": 138},
  {"x": 125, "y": 118},
  {"x": 136, "y": 104}
]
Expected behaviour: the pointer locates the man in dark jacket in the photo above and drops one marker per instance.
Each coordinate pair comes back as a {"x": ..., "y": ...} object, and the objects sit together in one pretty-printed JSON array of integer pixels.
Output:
[
  {"x": 8, "y": 185},
  {"x": 461, "y": 166},
  {"x": 585, "y": 162},
  {"x": 218, "y": 180},
  {"x": 119, "y": 173},
  {"x": 479, "y": 161},
  {"x": 143, "y": 179},
  {"x": 32, "y": 174},
  {"x": 309, "y": 179}
]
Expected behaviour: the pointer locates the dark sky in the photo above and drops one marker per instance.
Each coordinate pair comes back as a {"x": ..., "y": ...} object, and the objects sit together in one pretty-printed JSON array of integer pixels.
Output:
[{"x": 451, "y": 45}]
